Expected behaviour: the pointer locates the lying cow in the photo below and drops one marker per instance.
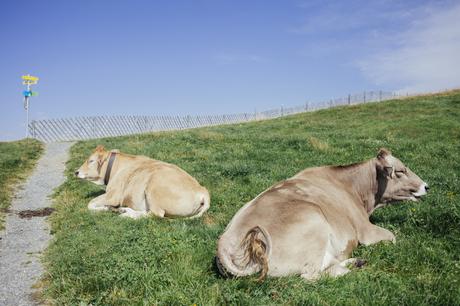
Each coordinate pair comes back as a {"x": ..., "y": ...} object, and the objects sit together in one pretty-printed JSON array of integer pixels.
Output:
[
  {"x": 309, "y": 224},
  {"x": 139, "y": 186}
]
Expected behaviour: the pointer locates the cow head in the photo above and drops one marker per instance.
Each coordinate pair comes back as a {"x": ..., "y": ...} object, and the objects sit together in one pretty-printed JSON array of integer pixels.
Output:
[
  {"x": 91, "y": 168},
  {"x": 396, "y": 181}
]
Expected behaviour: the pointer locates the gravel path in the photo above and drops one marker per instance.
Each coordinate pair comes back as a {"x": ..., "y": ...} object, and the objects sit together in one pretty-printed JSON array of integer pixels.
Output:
[{"x": 26, "y": 236}]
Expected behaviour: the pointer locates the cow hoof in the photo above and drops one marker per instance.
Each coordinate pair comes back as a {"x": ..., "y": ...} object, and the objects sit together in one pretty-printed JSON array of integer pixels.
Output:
[
  {"x": 359, "y": 263},
  {"x": 114, "y": 209}
]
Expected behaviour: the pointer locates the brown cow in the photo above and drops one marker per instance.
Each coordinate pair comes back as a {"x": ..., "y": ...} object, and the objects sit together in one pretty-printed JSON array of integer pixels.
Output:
[
  {"x": 309, "y": 224},
  {"x": 139, "y": 186}
]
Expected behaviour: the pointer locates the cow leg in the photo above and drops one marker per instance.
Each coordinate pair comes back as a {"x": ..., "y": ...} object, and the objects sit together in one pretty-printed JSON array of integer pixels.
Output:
[
  {"x": 351, "y": 261},
  {"x": 335, "y": 270},
  {"x": 131, "y": 213},
  {"x": 341, "y": 267},
  {"x": 98, "y": 203},
  {"x": 374, "y": 234},
  {"x": 152, "y": 208},
  {"x": 338, "y": 269},
  {"x": 157, "y": 211},
  {"x": 310, "y": 274}
]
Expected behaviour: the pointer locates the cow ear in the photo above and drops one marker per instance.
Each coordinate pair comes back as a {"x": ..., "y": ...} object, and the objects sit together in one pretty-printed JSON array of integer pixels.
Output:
[
  {"x": 100, "y": 148},
  {"x": 386, "y": 169},
  {"x": 389, "y": 171},
  {"x": 383, "y": 163},
  {"x": 383, "y": 153}
]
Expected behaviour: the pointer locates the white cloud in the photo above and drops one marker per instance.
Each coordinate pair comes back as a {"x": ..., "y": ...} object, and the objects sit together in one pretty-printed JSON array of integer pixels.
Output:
[
  {"x": 425, "y": 57},
  {"x": 359, "y": 16}
]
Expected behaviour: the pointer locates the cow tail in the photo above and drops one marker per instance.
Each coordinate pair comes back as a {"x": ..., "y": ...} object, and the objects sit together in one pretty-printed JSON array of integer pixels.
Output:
[
  {"x": 251, "y": 256},
  {"x": 255, "y": 250},
  {"x": 204, "y": 199},
  {"x": 202, "y": 203}
]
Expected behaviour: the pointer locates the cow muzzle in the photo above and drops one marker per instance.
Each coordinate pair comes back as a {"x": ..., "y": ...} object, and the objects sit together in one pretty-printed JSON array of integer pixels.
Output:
[
  {"x": 80, "y": 174},
  {"x": 422, "y": 190}
]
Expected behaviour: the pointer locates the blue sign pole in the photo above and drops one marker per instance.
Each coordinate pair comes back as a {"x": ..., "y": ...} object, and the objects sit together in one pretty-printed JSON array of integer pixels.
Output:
[
  {"x": 28, "y": 80},
  {"x": 26, "y": 106}
]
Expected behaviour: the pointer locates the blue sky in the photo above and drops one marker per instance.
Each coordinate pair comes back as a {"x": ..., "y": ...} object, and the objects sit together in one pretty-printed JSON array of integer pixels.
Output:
[{"x": 215, "y": 56}]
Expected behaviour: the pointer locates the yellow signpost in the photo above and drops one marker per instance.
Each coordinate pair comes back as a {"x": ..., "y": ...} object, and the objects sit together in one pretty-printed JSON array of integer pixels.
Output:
[{"x": 28, "y": 80}]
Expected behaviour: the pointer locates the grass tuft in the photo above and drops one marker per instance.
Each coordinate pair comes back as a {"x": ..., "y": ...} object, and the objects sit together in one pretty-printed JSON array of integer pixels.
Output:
[{"x": 17, "y": 159}]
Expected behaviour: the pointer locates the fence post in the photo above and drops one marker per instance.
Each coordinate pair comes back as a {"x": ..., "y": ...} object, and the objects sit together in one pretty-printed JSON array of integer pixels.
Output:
[
  {"x": 349, "y": 99},
  {"x": 33, "y": 129},
  {"x": 93, "y": 127},
  {"x": 306, "y": 106},
  {"x": 380, "y": 96},
  {"x": 364, "y": 97}
]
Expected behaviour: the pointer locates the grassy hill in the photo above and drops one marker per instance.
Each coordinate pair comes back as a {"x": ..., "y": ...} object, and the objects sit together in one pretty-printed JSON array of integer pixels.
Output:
[
  {"x": 17, "y": 159},
  {"x": 106, "y": 260}
]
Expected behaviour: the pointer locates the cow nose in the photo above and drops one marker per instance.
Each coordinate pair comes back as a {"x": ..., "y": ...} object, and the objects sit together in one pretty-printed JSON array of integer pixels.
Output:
[
  {"x": 76, "y": 173},
  {"x": 426, "y": 188}
]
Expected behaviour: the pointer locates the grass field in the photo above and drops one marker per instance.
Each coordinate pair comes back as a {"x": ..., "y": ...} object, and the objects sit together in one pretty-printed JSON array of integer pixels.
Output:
[
  {"x": 106, "y": 260},
  {"x": 17, "y": 159}
]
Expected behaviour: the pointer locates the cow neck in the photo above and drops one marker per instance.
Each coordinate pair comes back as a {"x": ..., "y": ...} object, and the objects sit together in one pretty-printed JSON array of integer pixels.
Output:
[
  {"x": 108, "y": 170},
  {"x": 362, "y": 178},
  {"x": 382, "y": 181}
]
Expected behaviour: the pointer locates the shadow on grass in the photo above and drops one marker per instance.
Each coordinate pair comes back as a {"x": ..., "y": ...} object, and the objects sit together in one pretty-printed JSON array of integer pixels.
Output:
[
  {"x": 394, "y": 218},
  {"x": 95, "y": 193}
]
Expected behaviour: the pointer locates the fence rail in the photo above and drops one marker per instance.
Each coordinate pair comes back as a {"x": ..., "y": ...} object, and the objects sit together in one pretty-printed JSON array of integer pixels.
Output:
[{"x": 82, "y": 128}]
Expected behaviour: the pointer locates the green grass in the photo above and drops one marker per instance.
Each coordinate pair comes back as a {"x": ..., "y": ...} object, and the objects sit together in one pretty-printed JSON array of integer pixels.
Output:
[
  {"x": 17, "y": 159},
  {"x": 103, "y": 259}
]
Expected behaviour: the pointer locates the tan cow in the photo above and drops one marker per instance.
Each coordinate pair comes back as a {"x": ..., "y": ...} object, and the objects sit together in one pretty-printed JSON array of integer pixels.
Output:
[
  {"x": 309, "y": 224},
  {"x": 139, "y": 186}
]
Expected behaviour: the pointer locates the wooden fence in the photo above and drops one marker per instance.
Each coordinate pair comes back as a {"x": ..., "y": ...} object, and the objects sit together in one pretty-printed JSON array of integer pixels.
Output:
[{"x": 81, "y": 128}]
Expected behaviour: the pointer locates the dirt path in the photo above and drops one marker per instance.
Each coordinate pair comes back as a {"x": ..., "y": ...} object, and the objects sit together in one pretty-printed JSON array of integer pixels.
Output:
[{"x": 27, "y": 233}]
